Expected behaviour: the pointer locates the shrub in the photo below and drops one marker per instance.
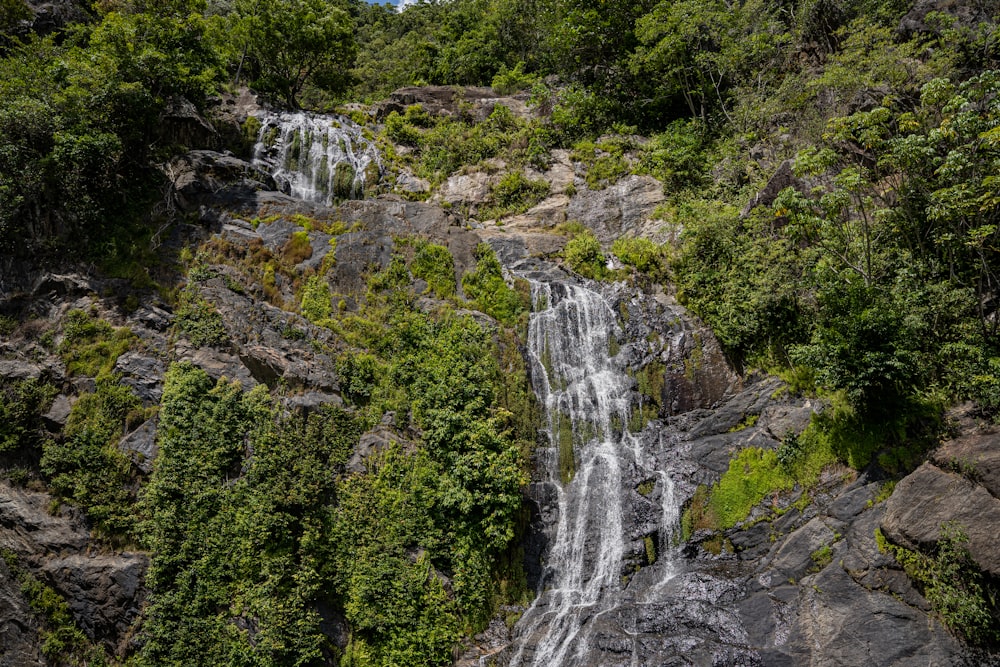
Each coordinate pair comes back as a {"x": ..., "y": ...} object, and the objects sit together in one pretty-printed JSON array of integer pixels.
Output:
[
  {"x": 90, "y": 345},
  {"x": 199, "y": 321},
  {"x": 317, "y": 302},
  {"x": 514, "y": 193},
  {"x": 434, "y": 264},
  {"x": 583, "y": 254},
  {"x": 643, "y": 254}
]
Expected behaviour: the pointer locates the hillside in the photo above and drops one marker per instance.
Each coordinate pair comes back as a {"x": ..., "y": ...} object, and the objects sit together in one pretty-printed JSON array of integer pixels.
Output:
[{"x": 513, "y": 332}]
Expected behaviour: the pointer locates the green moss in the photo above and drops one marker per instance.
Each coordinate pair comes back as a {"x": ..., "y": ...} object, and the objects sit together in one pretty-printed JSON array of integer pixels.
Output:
[
  {"x": 646, "y": 487},
  {"x": 821, "y": 557},
  {"x": 650, "y": 549}
]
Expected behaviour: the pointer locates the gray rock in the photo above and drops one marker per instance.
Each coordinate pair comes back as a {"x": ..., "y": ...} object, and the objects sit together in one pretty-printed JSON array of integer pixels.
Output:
[
  {"x": 975, "y": 456},
  {"x": 140, "y": 445},
  {"x": 204, "y": 177},
  {"x": 928, "y": 498},
  {"x": 104, "y": 589},
  {"x": 58, "y": 413},
  {"x": 618, "y": 209},
  {"x": 144, "y": 374},
  {"x": 782, "y": 178},
  {"x": 181, "y": 124},
  {"x": 19, "y": 642}
]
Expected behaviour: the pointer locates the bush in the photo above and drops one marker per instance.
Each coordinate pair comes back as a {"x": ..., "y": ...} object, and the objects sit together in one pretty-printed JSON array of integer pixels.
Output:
[
  {"x": 434, "y": 264},
  {"x": 488, "y": 290},
  {"x": 583, "y": 254},
  {"x": 643, "y": 254},
  {"x": 953, "y": 584},
  {"x": 199, "y": 320},
  {"x": 514, "y": 193},
  {"x": 508, "y": 81},
  {"x": 317, "y": 302},
  {"x": 90, "y": 345}
]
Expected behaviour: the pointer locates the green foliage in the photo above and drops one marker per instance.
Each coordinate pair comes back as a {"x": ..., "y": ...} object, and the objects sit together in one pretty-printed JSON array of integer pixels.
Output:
[
  {"x": 953, "y": 584},
  {"x": 444, "y": 144},
  {"x": 514, "y": 193},
  {"x": 434, "y": 264},
  {"x": 21, "y": 405},
  {"x": 643, "y": 254},
  {"x": 507, "y": 81},
  {"x": 91, "y": 346},
  {"x": 584, "y": 255},
  {"x": 78, "y": 120},
  {"x": 284, "y": 44},
  {"x": 198, "y": 320},
  {"x": 239, "y": 537},
  {"x": 487, "y": 288},
  {"x": 85, "y": 465},
  {"x": 605, "y": 162},
  {"x": 316, "y": 300}
]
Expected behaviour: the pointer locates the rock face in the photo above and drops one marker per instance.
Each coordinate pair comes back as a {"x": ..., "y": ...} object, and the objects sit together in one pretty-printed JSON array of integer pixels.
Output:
[
  {"x": 104, "y": 590},
  {"x": 958, "y": 487}
]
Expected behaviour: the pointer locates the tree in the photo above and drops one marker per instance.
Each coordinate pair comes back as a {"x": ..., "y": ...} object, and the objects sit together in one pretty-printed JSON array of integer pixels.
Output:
[{"x": 289, "y": 42}]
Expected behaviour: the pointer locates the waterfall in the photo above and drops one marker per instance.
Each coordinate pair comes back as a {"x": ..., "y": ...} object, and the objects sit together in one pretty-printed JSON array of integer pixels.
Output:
[
  {"x": 315, "y": 157},
  {"x": 592, "y": 462}
]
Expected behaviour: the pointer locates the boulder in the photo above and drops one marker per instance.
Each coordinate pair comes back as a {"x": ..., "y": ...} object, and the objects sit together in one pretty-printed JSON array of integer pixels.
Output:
[
  {"x": 928, "y": 498},
  {"x": 181, "y": 124}
]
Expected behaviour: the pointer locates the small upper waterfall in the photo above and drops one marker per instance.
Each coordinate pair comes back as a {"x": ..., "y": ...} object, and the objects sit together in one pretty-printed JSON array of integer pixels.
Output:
[
  {"x": 592, "y": 463},
  {"x": 316, "y": 157}
]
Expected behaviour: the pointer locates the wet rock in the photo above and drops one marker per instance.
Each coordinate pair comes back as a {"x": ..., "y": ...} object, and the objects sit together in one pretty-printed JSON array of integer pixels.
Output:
[{"x": 928, "y": 498}]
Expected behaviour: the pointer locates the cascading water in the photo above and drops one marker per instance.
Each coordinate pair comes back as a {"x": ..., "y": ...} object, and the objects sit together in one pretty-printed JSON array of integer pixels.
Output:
[
  {"x": 315, "y": 157},
  {"x": 591, "y": 463}
]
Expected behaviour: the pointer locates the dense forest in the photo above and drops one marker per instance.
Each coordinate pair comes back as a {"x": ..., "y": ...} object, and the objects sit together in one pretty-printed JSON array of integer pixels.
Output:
[{"x": 831, "y": 172}]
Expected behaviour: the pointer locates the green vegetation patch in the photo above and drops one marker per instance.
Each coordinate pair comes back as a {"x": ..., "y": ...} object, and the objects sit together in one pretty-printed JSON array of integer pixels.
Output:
[
  {"x": 21, "y": 405},
  {"x": 91, "y": 346},
  {"x": 514, "y": 193},
  {"x": 85, "y": 466},
  {"x": 488, "y": 290},
  {"x": 965, "y": 599},
  {"x": 198, "y": 320}
]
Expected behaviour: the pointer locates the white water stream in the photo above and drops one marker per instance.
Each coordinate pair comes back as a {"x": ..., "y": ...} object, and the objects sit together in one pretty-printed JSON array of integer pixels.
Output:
[
  {"x": 315, "y": 157},
  {"x": 588, "y": 400}
]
